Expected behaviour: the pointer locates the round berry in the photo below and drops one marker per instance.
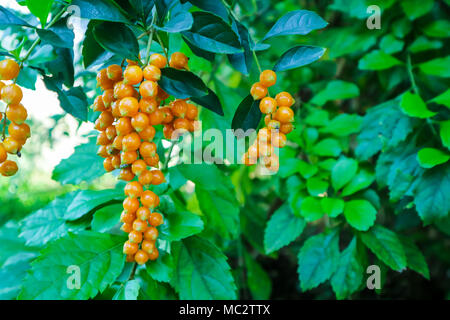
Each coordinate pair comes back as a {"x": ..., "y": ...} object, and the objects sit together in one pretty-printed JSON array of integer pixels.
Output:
[
  {"x": 124, "y": 126},
  {"x": 258, "y": 91},
  {"x": 148, "y": 245},
  {"x": 140, "y": 225},
  {"x": 143, "y": 213},
  {"x": 148, "y": 89},
  {"x": 128, "y": 157},
  {"x": 151, "y": 234},
  {"x": 149, "y": 199},
  {"x": 128, "y": 106},
  {"x": 8, "y": 168},
  {"x": 11, "y": 145},
  {"x": 130, "y": 205},
  {"x": 158, "y": 177},
  {"x": 133, "y": 189},
  {"x": 9, "y": 69},
  {"x": 156, "y": 219},
  {"x": 126, "y": 174},
  {"x": 146, "y": 178},
  {"x": 157, "y": 117},
  {"x": 148, "y": 105},
  {"x": 127, "y": 217},
  {"x": 140, "y": 121},
  {"x": 114, "y": 72},
  {"x": 268, "y": 78},
  {"x": 135, "y": 236},
  {"x": 16, "y": 113},
  {"x": 268, "y": 105},
  {"x": 284, "y": 99},
  {"x": 147, "y": 149},
  {"x": 152, "y": 73},
  {"x": 138, "y": 167},
  {"x": 179, "y": 60},
  {"x": 158, "y": 60},
  {"x": 148, "y": 133},
  {"x": 12, "y": 94},
  {"x": 131, "y": 142},
  {"x": 130, "y": 248},
  {"x": 141, "y": 257},
  {"x": 284, "y": 115},
  {"x": 133, "y": 75}
]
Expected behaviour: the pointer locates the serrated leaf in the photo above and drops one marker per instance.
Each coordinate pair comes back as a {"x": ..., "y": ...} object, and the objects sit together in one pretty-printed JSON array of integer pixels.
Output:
[
  {"x": 415, "y": 259},
  {"x": 386, "y": 246},
  {"x": 179, "y": 225},
  {"x": 360, "y": 214},
  {"x": 201, "y": 271},
  {"x": 258, "y": 280},
  {"x": 106, "y": 218},
  {"x": 162, "y": 268},
  {"x": 343, "y": 172},
  {"x": 298, "y": 57},
  {"x": 128, "y": 291},
  {"x": 99, "y": 257},
  {"x": 317, "y": 259},
  {"x": 282, "y": 228}
]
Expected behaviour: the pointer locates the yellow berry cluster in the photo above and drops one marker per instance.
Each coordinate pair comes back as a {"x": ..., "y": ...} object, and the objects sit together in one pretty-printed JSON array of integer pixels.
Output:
[
  {"x": 18, "y": 130},
  {"x": 132, "y": 105},
  {"x": 278, "y": 122}
]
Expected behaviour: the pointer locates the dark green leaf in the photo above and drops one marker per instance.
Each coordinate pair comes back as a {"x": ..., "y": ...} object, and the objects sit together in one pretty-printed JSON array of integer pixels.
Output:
[
  {"x": 100, "y": 10},
  {"x": 117, "y": 38},
  {"x": 298, "y": 57},
  {"x": 247, "y": 114},
  {"x": 210, "y": 101},
  {"x": 7, "y": 18},
  {"x": 182, "y": 84}
]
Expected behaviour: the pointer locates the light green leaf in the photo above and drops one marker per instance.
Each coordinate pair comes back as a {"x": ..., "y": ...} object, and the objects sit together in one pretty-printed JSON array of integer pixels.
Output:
[
  {"x": 390, "y": 44},
  {"x": 311, "y": 209},
  {"x": 416, "y": 8},
  {"x": 316, "y": 186},
  {"x": 386, "y": 246},
  {"x": 327, "y": 148},
  {"x": 343, "y": 125},
  {"x": 332, "y": 207},
  {"x": 179, "y": 225},
  {"x": 423, "y": 44},
  {"x": 317, "y": 259},
  {"x": 438, "y": 29},
  {"x": 439, "y": 67},
  {"x": 361, "y": 180},
  {"x": 430, "y": 157},
  {"x": 443, "y": 99},
  {"x": 360, "y": 214},
  {"x": 378, "y": 60},
  {"x": 413, "y": 105},
  {"x": 343, "y": 172},
  {"x": 282, "y": 228},
  {"x": 106, "y": 218},
  {"x": 445, "y": 133},
  {"x": 162, "y": 268},
  {"x": 128, "y": 291},
  {"x": 40, "y": 8},
  {"x": 336, "y": 90},
  {"x": 99, "y": 257}
]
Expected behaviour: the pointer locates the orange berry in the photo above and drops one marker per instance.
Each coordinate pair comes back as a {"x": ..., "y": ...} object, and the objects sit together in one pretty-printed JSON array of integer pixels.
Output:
[
  {"x": 102, "y": 139},
  {"x": 146, "y": 178},
  {"x": 130, "y": 248},
  {"x": 265, "y": 149},
  {"x": 130, "y": 205},
  {"x": 264, "y": 135},
  {"x": 168, "y": 116},
  {"x": 268, "y": 78},
  {"x": 284, "y": 99},
  {"x": 147, "y": 149},
  {"x": 273, "y": 125},
  {"x": 107, "y": 164},
  {"x": 258, "y": 91},
  {"x": 133, "y": 189},
  {"x": 156, "y": 117},
  {"x": 148, "y": 245},
  {"x": 268, "y": 105},
  {"x": 148, "y": 105},
  {"x": 278, "y": 140},
  {"x": 115, "y": 161},
  {"x": 149, "y": 199},
  {"x": 192, "y": 125},
  {"x": 178, "y": 60},
  {"x": 98, "y": 104},
  {"x": 272, "y": 163},
  {"x": 3, "y": 153},
  {"x": 168, "y": 131},
  {"x": 158, "y": 60},
  {"x": 156, "y": 219},
  {"x": 102, "y": 151},
  {"x": 141, "y": 257},
  {"x": 103, "y": 81},
  {"x": 16, "y": 113},
  {"x": 152, "y": 161},
  {"x": 126, "y": 174},
  {"x": 152, "y": 73},
  {"x": 179, "y": 108},
  {"x": 158, "y": 177},
  {"x": 117, "y": 142},
  {"x": 131, "y": 142},
  {"x": 9, "y": 69},
  {"x": 12, "y": 94},
  {"x": 122, "y": 90},
  {"x": 133, "y": 75},
  {"x": 138, "y": 167},
  {"x": 20, "y": 132},
  {"x": 135, "y": 236},
  {"x": 191, "y": 112},
  {"x": 154, "y": 255},
  {"x": 128, "y": 157},
  {"x": 114, "y": 72},
  {"x": 181, "y": 124},
  {"x": 8, "y": 168},
  {"x": 140, "y": 225},
  {"x": 140, "y": 121},
  {"x": 284, "y": 115},
  {"x": 11, "y": 145},
  {"x": 126, "y": 227},
  {"x": 128, "y": 106},
  {"x": 148, "y": 133},
  {"x": 111, "y": 132},
  {"x": 115, "y": 109},
  {"x": 151, "y": 234},
  {"x": 253, "y": 152},
  {"x": 124, "y": 126},
  {"x": 286, "y": 128},
  {"x": 143, "y": 213},
  {"x": 127, "y": 218},
  {"x": 148, "y": 89},
  {"x": 104, "y": 120},
  {"x": 108, "y": 97}
]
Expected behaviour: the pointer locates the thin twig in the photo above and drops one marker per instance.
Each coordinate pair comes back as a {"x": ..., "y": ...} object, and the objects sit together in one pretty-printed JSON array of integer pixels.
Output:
[
  {"x": 162, "y": 46},
  {"x": 150, "y": 40},
  {"x": 133, "y": 272}
]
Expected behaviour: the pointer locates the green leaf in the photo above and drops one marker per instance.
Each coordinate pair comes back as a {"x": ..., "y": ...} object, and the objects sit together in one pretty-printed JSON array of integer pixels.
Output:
[
  {"x": 68, "y": 171},
  {"x": 378, "y": 60},
  {"x": 316, "y": 186},
  {"x": 360, "y": 181},
  {"x": 336, "y": 90},
  {"x": 343, "y": 125},
  {"x": 439, "y": 67},
  {"x": 58, "y": 35},
  {"x": 386, "y": 246},
  {"x": 117, "y": 38},
  {"x": 40, "y": 8},
  {"x": 317, "y": 117},
  {"x": 215, "y": 7},
  {"x": 201, "y": 271},
  {"x": 343, "y": 172},
  {"x": 438, "y": 29},
  {"x": 179, "y": 21},
  {"x": 99, "y": 257},
  {"x": 413, "y": 105},
  {"x": 212, "y": 34},
  {"x": 106, "y": 218},
  {"x": 445, "y": 133},
  {"x": 416, "y": 8},
  {"x": 389, "y": 44},
  {"x": 92, "y": 52},
  {"x": 7, "y": 18},
  {"x": 414, "y": 258},
  {"x": 332, "y": 207},
  {"x": 179, "y": 225},
  {"x": 258, "y": 280},
  {"x": 443, "y": 99},
  {"x": 247, "y": 114},
  {"x": 28, "y": 78},
  {"x": 311, "y": 209},
  {"x": 360, "y": 214},
  {"x": 431, "y": 194},
  {"x": 282, "y": 228},
  {"x": 151, "y": 289},
  {"x": 318, "y": 259},
  {"x": 100, "y": 10},
  {"x": 296, "y": 22},
  {"x": 162, "y": 268},
  {"x": 327, "y": 148},
  {"x": 12, "y": 273},
  {"x": 349, "y": 273},
  {"x": 298, "y": 57},
  {"x": 424, "y": 44},
  {"x": 430, "y": 157},
  {"x": 128, "y": 291},
  {"x": 242, "y": 61},
  {"x": 210, "y": 101},
  {"x": 182, "y": 84}
]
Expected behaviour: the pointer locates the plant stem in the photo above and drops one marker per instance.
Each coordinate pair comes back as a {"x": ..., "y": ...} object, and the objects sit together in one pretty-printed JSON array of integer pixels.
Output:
[
  {"x": 162, "y": 46},
  {"x": 411, "y": 74},
  {"x": 4, "y": 126},
  {"x": 150, "y": 40},
  {"x": 133, "y": 272}
]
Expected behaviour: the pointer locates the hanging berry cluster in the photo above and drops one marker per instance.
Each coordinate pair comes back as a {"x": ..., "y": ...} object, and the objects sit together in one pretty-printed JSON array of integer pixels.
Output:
[
  {"x": 18, "y": 131},
  {"x": 131, "y": 105},
  {"x": 278, "y": 122}
]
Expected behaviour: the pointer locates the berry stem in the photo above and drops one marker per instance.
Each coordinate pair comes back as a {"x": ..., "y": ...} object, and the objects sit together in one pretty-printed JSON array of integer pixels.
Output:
[
  {"x": 257, "y": 61},
  {"x": 150, "y": 40},
  {"x": 411, "y": 74},
  {"x": 133, "y": 271},
  {"x": 162, "y": 46},
  {"x": 4, "y": 126}
]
